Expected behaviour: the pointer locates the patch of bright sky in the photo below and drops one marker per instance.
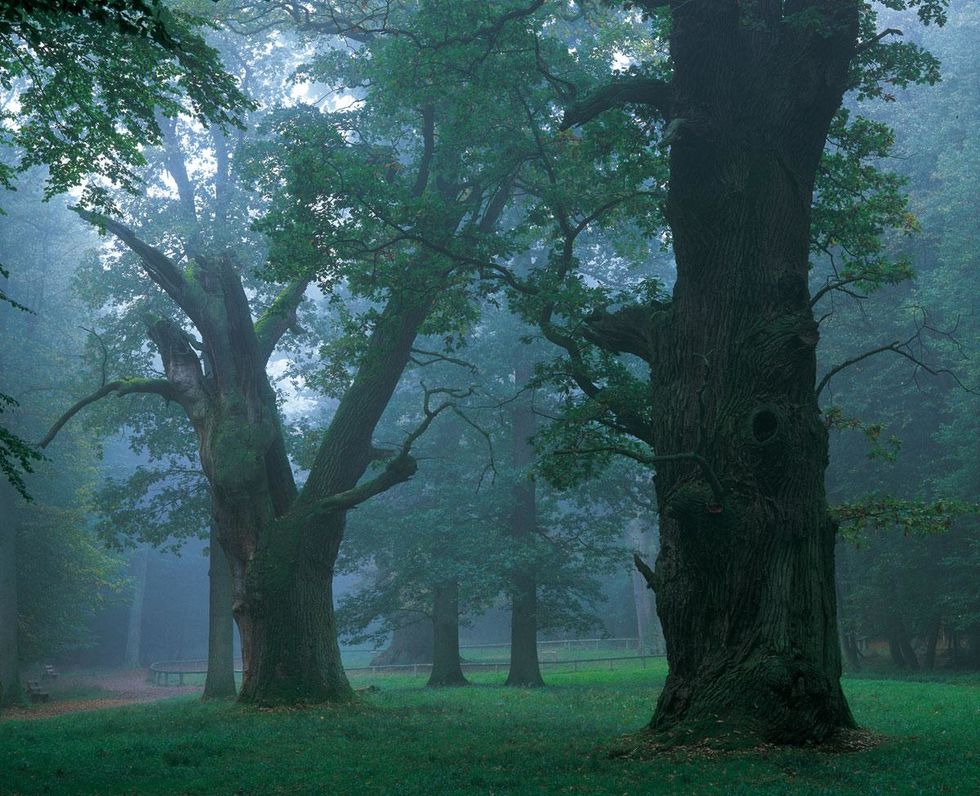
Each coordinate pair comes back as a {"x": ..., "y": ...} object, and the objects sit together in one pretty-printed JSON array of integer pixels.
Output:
[
  {"x": 621, "y": 62},
  {"x": 297, "y": 401}
]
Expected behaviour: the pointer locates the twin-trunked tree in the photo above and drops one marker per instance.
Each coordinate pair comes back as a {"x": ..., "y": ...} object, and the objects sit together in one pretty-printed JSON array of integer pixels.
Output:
[{"x": 351, "y": 196}]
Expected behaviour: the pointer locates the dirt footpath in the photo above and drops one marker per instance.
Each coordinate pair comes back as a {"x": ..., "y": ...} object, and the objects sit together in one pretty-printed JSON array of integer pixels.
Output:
[{"x": 109, "y": 689}]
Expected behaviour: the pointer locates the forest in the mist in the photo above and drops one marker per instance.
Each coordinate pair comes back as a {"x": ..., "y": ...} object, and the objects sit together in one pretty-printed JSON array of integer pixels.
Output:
[{"x": 337, "y": 336}]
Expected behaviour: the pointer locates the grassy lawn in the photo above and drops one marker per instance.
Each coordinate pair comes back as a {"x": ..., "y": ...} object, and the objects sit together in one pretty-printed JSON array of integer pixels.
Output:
[{"x": 484, "y": 739}]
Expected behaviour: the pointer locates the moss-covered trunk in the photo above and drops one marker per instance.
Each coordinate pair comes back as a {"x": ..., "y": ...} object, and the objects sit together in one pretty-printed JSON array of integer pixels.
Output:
[
  {"x": 745, "y": 579},
  {"x": 281, "y": 544},
  {"x": 289, "y": 611},
  {"x": 446, "y": 669},
  {"x": 285, "y": 606}
]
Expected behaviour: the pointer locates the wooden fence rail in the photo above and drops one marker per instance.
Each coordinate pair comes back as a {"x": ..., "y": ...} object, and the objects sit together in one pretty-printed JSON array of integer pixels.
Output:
[{"x": 165, "y": 672}]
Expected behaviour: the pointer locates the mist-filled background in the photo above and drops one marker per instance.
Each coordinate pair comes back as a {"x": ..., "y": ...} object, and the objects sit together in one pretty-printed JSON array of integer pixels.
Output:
[{"x": 345, "y": 323}]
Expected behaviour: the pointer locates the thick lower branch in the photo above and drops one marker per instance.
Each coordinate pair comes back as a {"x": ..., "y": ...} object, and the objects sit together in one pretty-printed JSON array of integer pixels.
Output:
[
  {"x": 398, "y": 470},
  {"x": 279, "y": 317},
  {"x": 647, "y": 91},
  {"x": 122, "y": 387},
  {"x": 644, "y": 569},
  {"x": 626, "y": 331},
  {"x": 160, "y": 268}
]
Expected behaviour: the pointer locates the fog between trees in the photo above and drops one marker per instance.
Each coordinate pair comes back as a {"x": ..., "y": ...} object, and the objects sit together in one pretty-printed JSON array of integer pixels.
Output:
[{"x": 392, "y": 326}]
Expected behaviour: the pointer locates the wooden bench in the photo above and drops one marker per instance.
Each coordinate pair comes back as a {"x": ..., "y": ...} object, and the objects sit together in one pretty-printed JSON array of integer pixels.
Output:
[
  {"x": 49, "y": 673},
  {"x": 35, "y": 693}
]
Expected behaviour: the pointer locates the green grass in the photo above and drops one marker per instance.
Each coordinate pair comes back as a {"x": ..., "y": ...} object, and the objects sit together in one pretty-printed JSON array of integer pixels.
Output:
[{"x": 483, "y": 739}]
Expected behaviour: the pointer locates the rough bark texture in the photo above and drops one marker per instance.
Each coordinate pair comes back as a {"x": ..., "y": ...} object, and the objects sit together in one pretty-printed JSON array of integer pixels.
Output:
[
  {"x": 9, "y": 658},
  {"x": 745, "y": 576},
  {"x": 411, "y": 641},
  {"x": 446, "y": 669},
  {"x": 745, "y": 585},
  {"x": 524, "y": 667},
  {"x": 220, "y": 680}
]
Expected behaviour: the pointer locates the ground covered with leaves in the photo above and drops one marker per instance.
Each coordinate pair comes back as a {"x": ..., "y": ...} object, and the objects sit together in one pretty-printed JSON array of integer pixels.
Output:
[{"x": 404, "y": 739}]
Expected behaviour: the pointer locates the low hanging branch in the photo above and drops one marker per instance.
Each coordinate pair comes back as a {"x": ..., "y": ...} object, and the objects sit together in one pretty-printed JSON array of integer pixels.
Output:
[{"x": 122, "y": 387}]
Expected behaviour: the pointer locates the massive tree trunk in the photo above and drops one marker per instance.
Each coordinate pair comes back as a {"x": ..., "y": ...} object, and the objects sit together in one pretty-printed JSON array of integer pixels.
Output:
[
  {"x": 446, "y": 669},
  {"x": 288, "y": 608},
  {"x": 745, "y": 576},
  {"x": 286, "y": 605},
  {"x": 220, "y": 681},
  {"x": 9, "y": 657},
  {"x": 524, "y": 667},
  {"x": 411, "y": 641},
  {"x": 281, "y": 543}
]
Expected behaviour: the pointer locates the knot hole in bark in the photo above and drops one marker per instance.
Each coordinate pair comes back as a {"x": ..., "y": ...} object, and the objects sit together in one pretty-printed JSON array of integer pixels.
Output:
[{"x": 765, "y": 425}]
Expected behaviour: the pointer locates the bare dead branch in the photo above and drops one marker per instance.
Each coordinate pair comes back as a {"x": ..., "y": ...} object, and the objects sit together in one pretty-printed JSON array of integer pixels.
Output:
[
  {"x": 903, "y": 349},
  {"x": 435, "y": 356}
]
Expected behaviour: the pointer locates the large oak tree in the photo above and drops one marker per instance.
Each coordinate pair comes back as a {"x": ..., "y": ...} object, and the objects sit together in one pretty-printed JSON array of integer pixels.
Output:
[{"x": 729, "y": 419}]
